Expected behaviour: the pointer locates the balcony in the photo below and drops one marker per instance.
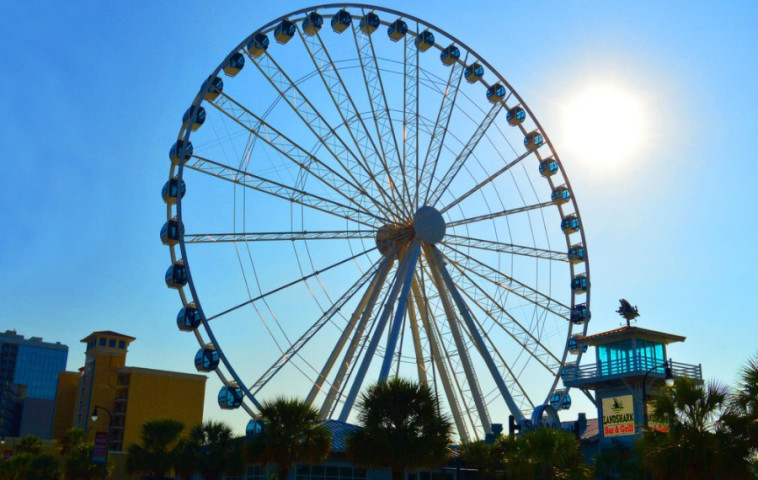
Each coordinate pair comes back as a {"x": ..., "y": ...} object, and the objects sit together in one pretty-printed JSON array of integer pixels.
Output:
[{"x": 591, "y": 375}]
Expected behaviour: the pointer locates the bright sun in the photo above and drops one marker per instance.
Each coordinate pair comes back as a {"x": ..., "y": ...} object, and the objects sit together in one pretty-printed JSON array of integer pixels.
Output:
[{"x": 604, "y": 125}]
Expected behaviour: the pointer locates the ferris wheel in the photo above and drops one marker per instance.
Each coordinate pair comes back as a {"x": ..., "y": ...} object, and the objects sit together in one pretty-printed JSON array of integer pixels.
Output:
[{"x": 367, "y": 197}]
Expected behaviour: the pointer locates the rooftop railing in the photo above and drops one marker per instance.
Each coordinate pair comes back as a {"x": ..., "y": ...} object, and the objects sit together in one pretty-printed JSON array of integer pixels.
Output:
[{"x": 627, "y": 367}]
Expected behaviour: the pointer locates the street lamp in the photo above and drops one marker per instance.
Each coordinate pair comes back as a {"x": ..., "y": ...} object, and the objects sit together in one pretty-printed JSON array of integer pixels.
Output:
[
  {"x": 108, "y": 436},
  {"x": 668, "y": 379}
]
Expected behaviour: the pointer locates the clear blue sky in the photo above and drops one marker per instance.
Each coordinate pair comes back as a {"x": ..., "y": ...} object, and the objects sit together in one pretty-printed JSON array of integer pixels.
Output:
[{"x": 93, "y": 93}]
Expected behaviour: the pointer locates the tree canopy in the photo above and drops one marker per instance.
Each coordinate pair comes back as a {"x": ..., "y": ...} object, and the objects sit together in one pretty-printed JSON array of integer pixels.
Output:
[{"x": 157, "y": 453}]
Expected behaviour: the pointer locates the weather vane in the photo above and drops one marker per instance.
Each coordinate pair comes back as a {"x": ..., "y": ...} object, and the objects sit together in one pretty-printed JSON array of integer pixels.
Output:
[{"x": 627, "y": 311}]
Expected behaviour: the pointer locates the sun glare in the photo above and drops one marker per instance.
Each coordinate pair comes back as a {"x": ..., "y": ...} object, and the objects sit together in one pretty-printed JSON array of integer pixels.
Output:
[{"x": 604, "y": 125}]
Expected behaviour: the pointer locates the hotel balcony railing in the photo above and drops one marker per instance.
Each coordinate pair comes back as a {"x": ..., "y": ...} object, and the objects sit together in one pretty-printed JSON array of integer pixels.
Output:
[{"x": 627, "y": 367}]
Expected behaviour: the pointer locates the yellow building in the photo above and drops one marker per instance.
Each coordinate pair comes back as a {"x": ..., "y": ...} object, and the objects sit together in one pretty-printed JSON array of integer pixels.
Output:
[{"x": 125, "y": 397}]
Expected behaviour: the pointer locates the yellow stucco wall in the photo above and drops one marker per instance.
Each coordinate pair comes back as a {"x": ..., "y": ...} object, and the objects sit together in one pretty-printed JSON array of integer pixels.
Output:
[{"x": 65, "y": 402}]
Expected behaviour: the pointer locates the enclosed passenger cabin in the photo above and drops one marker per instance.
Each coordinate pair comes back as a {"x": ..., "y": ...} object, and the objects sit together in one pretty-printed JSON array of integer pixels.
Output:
[
  {"x": 176, "y": 275},
  {"x": 560, "y": 400},
  {"x": 397, "y": 30},
  {"x": 548, "y": 167},
  {"x": 214, "y": 86},
  {"x": 194, "y": 114},
  {"x": 171, "y": 232},
  {"x": 515, "y": 116},
  {"x": 172, "y": 190},
  {"x": 580, "y": 314},
  {"x": 230, "y": 397},
  {"x": 180, "y": 150},
  {"x": 576, "y": 253},
  {"x": 533, "y": 140},
  {"x": 341, "y": 20},
  {"x": 258, "y": 45},
  {"x": 254, "y": 427},
  {"x": 574, "y": 346},
  {"x": 570, "y": 224},
  {"x": 496, "y": 93},
  {"x": 284, "y": 32},
  {"x": 234, "y": 64},
  {"x": 369, "y": 23},
  {"x": 473, "y": 72},
  {"x": 206, "y": 359},
  {"x": 424, "y": 40},
  {"x": 560, "y": 195},
  {"x": 579, "y": 285},
  {"x": 450, "y": 55},
  {"x": 188, "y": 318},
  {"x": 312, "y": 23}
]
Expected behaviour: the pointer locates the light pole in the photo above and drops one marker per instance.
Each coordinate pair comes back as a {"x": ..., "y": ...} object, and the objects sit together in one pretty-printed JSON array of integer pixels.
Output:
[
  {"x": 108, "y": 436},
  {"x": 669, "y": 379}
]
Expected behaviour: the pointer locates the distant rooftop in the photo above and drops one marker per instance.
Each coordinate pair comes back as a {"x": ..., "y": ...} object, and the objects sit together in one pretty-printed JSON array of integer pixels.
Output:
[
  {"x": 10, "y": 336},
  {"x": 108, "y": 333},
  {"x": 629, "y": 332}
]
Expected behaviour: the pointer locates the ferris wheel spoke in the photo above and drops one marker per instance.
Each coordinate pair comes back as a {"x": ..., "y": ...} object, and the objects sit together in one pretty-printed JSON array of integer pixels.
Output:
[
  {"x": 438, "y": 279},
  {"x": 410, "y": 117},
  {"x": 510, "y": 284},
  {"x": 503, "y": 213},
  {"x": 290, "y": 284},
  {"x": 444, "y": 277},
  {"x": 390, "y": 150},
  {"x": 350, "y": 189},
  {"x": 406, "y": 267},
  {"x": 299, "y": 103},
  {"x": 372, "y": 161},
  {"x": 284, "y": 192},
  {"x": 440, "y": 128},
  {"x": 311, "y": 332},
  {"x": 432, "y": 196},
  {"x": 502, "y": 247},
  {"x": 486, "y": 181},
  {"x": 278, "y": 236}
]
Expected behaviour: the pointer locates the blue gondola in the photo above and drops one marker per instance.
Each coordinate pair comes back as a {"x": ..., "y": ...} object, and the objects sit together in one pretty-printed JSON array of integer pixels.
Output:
[
  {"x": 284, "y": 32},
  {"x": 254, "y": 427},
  {"x": 560, "y": 400},
  {"x": 579, "y": 284},
  {"x": 560, "y": 195},
  {"x": 341, "y": 20},
  {"x": 234, "y": 64},
  {"x": 215, "y": 87},
  {"x": 176, "y": 275},
  {"x": 576, "y": 254},
  {"x": 369, "y": 23},
  {"x": 570, "y": 224},
  {"x": 574, "y": 347},
  {"x": 424, "y": 40},
  {"x": 194, "y": 114},
  {"x": 533, "y": 140},
  {"x": 397, "y": 30},
  {"x": 258, "y": 45},
  {"x": 172, "y": 189},
  {"x": 312, "y": 23},
  {"x": 206, "y": 359},
  {"x": 495, "y": 93},
  {"x": 176, "y": 151},
  {"x": 171, "y": 231},
  {"x": 230, "y": 397},
  {"x": 473, "y": 72},
  {"x": 548, "y": 167},
  {"x": 188, "y": 318},
  {"x": 580, "y": 314},
  {"x": 450, "y": 55},
  {"x": 515, "y": 116}
]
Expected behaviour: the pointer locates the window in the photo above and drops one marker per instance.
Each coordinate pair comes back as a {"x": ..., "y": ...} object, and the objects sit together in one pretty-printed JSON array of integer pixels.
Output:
[
  {"x": 111, "y": 343},
  {"x": 121, "y": 344},
  {"x": 102, "y": 342}
]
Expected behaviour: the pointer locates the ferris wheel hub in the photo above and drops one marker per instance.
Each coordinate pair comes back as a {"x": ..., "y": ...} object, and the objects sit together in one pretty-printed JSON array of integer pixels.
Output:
[{"x": 429, "y": 224}]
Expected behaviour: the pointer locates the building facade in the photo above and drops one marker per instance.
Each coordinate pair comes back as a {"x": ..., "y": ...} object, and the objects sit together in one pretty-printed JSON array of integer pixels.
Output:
[{"x": 28, "y": 380}]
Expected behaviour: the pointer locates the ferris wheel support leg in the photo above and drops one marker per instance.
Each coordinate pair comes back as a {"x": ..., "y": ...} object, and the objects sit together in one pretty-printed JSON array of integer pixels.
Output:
[
  {"x": 368, "y": 297},
  {"x": 413, "y": 251},
  {"x": 437, "y": 269},
  {"x": 463, "y": 309},
  {"x": 417, "y": 349},
  {"x": 407, "y": 264},
  {"x": 447, "y": 386}
]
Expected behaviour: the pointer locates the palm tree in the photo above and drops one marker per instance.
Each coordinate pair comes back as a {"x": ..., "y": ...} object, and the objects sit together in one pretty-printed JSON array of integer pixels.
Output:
[
  {"x": 157, "y": 453},
  {"x": 70, "y": 439},
  {"x": 402, "y": 428},
  {"x": 292, "y": 433},
  {"x": 544, "y": 453},
  {"x": 699, "y": 444},
  {"x": 214, "y": 450},
  {"x": 483, "y": 456},
  {"x": 30, "y": 444}
]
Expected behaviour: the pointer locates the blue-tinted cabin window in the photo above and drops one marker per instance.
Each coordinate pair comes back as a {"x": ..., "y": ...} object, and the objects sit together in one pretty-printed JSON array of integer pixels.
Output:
[
  {"x": 312, "y": 23},
  {"x": 570, "y": 224},
  {"x": 473, "y": 72},
  {"x": 450, "y": 54},
  {"x": 397, "y": 30},
  {"x": 341, "y": 20},
  {"x": 369, "y": 23},
  {"x": 515, "y": 116},
  {"x": 176, "y": 149},
  {"x": 424, "y": 41}
]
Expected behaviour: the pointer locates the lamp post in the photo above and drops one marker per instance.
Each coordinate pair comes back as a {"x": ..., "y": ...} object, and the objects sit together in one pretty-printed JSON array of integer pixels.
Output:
[
  {"x": 108, "y": 436},
  {"x": 669, "y": 379}
]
